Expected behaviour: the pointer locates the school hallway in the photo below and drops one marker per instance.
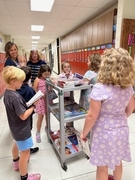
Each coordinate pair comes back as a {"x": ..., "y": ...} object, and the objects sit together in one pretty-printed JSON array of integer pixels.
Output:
[{"x": 47, "y": 163}]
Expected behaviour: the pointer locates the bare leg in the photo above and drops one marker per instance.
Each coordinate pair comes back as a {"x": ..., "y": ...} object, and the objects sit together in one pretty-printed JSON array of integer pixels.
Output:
[
  {"x": 39, "y": 122},
  {"x": 46, "y": 121},
  {"x": 15, "y": 151},
  {"x": 102, "y": 173},
  {"x": 118, "y": 172},
  {"x": 24, "y": 156}
]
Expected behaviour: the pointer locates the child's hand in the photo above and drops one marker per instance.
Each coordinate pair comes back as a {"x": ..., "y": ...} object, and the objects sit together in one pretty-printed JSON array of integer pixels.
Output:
[
  {"x": 67, "y": 74},
  {"x": 82, "y": 137}
]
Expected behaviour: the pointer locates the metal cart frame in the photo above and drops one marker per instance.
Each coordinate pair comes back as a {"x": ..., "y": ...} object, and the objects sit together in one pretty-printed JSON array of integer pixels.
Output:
[{"x": 61, "y": 119}]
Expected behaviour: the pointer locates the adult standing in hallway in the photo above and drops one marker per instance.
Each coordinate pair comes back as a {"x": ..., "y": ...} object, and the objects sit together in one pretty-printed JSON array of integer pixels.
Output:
[
  {"x": 11, "y": 51},
  {"x": 34, "y": 63}
]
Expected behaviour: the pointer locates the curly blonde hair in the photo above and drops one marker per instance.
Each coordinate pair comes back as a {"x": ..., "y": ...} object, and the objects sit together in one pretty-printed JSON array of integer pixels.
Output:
[
  {"x": 10, "y": 73},
  {"x": 95, "y": 61},
  {"x": 117, "y": 68}
]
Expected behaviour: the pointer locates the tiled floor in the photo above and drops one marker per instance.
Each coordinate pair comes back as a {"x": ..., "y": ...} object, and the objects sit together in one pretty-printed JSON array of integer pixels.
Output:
[{"x": 46, "y": 161}]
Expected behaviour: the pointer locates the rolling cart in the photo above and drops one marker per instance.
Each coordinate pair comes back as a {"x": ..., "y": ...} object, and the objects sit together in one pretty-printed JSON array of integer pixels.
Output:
[{"x": 61, "y": 118}]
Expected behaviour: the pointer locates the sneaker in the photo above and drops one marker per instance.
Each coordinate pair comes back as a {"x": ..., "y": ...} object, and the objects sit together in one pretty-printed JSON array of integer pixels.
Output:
[
  {"x": 34, "y": 150},
  {"x": 16, "y": 165},
  {"x": 34, "y": 176},
  {"x": 38, "y": 138}
]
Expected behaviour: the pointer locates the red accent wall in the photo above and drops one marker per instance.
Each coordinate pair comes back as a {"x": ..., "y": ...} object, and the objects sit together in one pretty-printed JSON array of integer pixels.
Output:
[{"x": 78, "y": 59}]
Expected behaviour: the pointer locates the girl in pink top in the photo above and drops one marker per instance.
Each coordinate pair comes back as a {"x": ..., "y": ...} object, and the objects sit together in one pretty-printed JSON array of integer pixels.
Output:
[{"x": 39, "y": 84}]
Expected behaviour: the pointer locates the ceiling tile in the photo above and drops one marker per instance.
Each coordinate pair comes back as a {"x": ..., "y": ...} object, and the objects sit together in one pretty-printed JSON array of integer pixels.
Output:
[
  {"x": 80, "y": 12},
  {"x": 6, "y": 20},
  {"x": 66, "y": 15},
  {"x": 21, "y": 8},
  {"x": 90, "y": 3}
]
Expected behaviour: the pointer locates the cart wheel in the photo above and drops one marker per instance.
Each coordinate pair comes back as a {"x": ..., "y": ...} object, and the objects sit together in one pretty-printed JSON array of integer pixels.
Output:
[
  {"x": 64, "y": 166},
  {"x": 87, "y": 157}
]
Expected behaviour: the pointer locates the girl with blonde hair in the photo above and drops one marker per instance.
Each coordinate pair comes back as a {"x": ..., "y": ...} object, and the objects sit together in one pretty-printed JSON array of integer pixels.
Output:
[{"x": 111, "y": 103}]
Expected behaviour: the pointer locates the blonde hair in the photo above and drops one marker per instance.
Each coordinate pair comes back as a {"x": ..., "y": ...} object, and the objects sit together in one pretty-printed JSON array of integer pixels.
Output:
[
  {"x": 95, "y": 61},
  {"x": 12, "y": 73},
  {"x": 117, "y": 68},
  {"x": 63, "y": 63}
]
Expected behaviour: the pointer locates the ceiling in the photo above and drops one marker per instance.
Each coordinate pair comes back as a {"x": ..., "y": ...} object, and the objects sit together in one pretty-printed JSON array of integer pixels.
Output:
[{"x": 16, "y": 19}]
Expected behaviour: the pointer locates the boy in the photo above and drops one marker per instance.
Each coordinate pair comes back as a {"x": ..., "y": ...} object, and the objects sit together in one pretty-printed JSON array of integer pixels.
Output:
[
  {"x": 27, "y": 92},
  {"x": 19, "y": 121}
]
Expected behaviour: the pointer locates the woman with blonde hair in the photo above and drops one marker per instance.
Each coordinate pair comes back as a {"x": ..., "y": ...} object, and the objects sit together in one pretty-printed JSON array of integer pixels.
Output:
[{"x": 111, "y": 103}]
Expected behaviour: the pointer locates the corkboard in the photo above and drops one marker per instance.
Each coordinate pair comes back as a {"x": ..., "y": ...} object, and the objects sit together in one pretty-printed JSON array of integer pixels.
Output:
[{"x": 128, "y": 27}]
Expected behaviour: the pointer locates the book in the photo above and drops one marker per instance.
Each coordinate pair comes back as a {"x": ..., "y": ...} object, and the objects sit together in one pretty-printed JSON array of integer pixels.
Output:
[
  {"x": 85, "y": 144},
  {"x": 75, "y": 109},
  {"x": 77, "y": 75},
  {"x": 70, "y": 110},
  {"x": 36, "y": 97},
  {"x": 73, "y": 139},
  {"x": 55, "y": 135},
  {"x": 70, "y": 149}
]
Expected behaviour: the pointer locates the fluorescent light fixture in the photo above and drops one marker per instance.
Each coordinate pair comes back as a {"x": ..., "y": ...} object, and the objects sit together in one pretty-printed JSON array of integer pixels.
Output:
[
  {"x": 35, "y": 37},
  {"x": 34, "y": 48},
  {"x": 41, "y": 5},
  {"x": 37, "y": 28},
  {"x": 34, "y": 42},
  {"x": 34, "y": 45}
]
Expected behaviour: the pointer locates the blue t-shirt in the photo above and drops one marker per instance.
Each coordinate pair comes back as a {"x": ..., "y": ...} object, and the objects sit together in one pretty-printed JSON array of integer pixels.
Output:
[{"x": 26, "y": 92}]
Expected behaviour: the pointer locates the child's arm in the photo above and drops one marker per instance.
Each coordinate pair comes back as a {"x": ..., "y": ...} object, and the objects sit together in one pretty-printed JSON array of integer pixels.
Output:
[
  {"x": 27, "y": 113},
  {"x": 91, "y": 117},
  {"x": 35, "y": 85},
  {"x": 130, "y": 107}
]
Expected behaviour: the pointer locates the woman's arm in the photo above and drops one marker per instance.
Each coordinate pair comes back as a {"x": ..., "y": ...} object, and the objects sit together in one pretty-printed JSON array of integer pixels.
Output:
[
  {"x": 130, "y": 107},
  {"x": 91, "y": 117}
]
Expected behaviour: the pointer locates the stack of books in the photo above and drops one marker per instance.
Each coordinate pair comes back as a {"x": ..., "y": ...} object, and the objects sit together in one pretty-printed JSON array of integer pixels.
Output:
[
  {"x": 73, "y": 143},
  {"x": 70, "y": 110}
]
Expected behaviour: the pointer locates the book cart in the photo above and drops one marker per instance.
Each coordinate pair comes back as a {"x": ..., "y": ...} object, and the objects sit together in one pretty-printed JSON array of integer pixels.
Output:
[{"x": 61, "y": 118}]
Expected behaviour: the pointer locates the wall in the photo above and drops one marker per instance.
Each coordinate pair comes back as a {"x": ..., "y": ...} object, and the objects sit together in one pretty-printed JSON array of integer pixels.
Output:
[
  {"x": 2, "y": 45},
  {"x": 55, "y": 56},
  {"x": 125, "y": 10},
  {"x": 92, "y": 37}
]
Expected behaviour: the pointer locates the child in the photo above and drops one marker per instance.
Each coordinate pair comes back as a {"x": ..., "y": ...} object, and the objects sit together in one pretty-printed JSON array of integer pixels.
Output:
[
  {"x": 67, "y": 73},
  {"x": 111, "y": 103},
  {"x": 94, "y": 61},
  {"x": 19, "y": 121},
  {"x": 27, "y": 92},
  {"x": 39, "y": 84}
]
